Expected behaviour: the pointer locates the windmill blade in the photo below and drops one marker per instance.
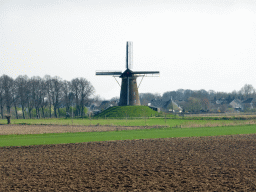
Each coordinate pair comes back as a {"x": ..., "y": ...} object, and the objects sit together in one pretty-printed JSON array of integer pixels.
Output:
[
  {"x": 145, "y": 72},
  {"x": 113, "y": 73},
  {"x": 129, "y": 55}
]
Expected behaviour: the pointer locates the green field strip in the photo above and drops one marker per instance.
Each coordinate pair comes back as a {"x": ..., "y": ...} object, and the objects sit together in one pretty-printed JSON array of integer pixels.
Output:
[
  {"x": 61, "y": 138},
  {"x": 124, "y": 122}
]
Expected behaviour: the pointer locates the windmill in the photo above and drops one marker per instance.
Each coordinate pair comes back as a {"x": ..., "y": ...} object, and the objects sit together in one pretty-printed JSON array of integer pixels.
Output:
[{"x": 129, "y": 94}]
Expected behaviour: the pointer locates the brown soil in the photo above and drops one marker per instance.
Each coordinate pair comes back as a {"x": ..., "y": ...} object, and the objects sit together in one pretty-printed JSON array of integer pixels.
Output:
[
  {"x": 223, "y": 163},
  {"x": 40, "y": 129}
]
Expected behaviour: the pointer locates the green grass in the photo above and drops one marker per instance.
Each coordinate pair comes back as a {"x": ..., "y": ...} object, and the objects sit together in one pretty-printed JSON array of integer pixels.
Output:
[
  {"x": 131, "y": 122},
  {"x": 57, "y": 138},
  {"x": 128, "y": 111}
]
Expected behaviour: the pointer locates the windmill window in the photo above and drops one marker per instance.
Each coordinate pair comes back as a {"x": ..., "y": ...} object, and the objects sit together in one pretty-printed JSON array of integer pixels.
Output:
[
  {"x": 134, "y": 93},
  {"x": 135, "y": 101}
]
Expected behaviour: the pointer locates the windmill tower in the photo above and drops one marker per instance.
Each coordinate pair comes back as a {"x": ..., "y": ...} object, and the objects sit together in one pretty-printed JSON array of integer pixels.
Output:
[{"x": 129, "y": 94}]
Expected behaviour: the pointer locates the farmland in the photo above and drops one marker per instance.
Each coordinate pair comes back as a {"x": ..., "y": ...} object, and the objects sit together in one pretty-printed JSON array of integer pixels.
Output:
[
  {"x": 23, "y": 135},
  {"x": 150, "y": 154},
  {"x": 217, "y": 163},
  {"x": 169, "y": 122}
]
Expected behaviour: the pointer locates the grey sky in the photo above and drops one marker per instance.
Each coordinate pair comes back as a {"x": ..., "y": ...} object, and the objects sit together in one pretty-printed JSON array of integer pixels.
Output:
[{"x": 194, "y": 44}]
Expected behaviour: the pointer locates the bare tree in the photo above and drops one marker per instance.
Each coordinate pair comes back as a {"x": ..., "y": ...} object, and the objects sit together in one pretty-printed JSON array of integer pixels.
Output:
[
  {"x": 67, "y": 96},
  {"x": 36, "y": 93},
  {"x": 180, "y": 94},
  {"x": 114, "y": 101},
  {"x": 75, "y": 89},
  {"x": 1, "y": 97},
  {"x": 48, "y": 87},
  {"x": 7, "y": 83},
  {"x": 187, "y": 94},
  {"x": 97, "y": 100},
  {"x": 169, "y": 95},
  {"x": 43, "y": 96},
  {"x": 86, "y": 91},
  {"x": 30, "y": 96},
  {"x": 82, "y": 90},
  {"x": 247, "y": 90},
  {"x": 200, "y": 94},
  {"x": 56, "y": 94},
  {"x": 22, "y": 86},
  {"x": 15, "y": 98},
  {"x": 194, "y": 104},
  {"x": 211, "y": 94},
  {"x": 205, "y": 104},
  {"x": 146, "y": 98},
  {"x": 220, "y": 95}
]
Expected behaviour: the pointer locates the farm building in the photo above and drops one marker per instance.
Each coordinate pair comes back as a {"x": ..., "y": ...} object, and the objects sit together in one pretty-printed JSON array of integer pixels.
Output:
[{"x": 167, "y": 106}]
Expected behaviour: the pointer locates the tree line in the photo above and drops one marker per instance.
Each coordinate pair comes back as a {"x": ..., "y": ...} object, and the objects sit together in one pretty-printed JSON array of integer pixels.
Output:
[
  {"x": 196, "y": 100},
  {"x": 38, "y": 97},
  {"x": 44, "y": 97}
]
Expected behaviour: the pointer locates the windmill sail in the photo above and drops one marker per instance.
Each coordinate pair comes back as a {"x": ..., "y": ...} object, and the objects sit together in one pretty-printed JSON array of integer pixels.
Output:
[
  {"x": 145, "y": 72},
  {"x": 129, "y": 55},
  {"x": 113, "y": 73}
]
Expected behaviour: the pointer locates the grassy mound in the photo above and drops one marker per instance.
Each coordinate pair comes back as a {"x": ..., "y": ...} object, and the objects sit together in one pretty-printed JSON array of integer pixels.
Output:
[{"x": 128, "y": 111}]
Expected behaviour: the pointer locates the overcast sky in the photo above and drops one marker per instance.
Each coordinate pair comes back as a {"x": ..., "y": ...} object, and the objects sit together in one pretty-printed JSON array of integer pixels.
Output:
[{"x": 195, "y": 44}]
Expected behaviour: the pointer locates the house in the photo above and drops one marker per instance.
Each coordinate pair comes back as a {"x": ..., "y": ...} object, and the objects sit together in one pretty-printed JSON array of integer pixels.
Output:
[
  {"x": 105, "y": 104},
  {"x": 237, "y": 105},
  {"x": 93, "y": 107},
  {"x": 220, "y": 101},
  {"x": 154, "y": 108},
  {"x": 168, "y": 106},
  {"x": 248, "y": 103}
]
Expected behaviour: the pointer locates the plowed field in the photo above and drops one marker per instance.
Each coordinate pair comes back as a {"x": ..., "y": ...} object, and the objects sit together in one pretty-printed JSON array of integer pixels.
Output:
[{"x": 223, "y": 163}]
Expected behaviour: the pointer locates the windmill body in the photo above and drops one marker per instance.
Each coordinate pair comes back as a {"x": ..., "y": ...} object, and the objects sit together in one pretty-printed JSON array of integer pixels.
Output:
[{"x": 129, "y": 94}]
